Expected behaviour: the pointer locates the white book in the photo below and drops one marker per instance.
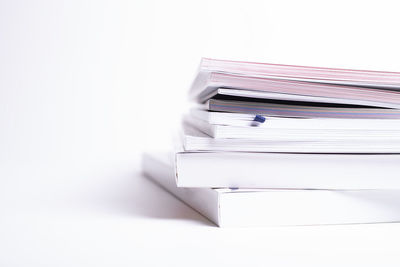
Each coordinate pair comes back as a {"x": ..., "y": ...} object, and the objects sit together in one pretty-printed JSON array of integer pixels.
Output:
[
  {"x": 247, "y": 120},
  {"x": 265, "y": 207},
  {"x": 287, "y": 170},
  {"x": 194, "y": 140},
  {"x": 292, "y": 134}
]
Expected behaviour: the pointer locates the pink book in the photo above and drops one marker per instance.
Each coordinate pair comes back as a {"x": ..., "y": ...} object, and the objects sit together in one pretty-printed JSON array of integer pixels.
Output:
[
  {"x": 247, "y": 81},
  {"x": 327, "y": 75}
]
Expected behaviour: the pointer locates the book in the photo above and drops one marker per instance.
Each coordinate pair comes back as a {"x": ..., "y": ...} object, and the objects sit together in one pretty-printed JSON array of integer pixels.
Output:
[
  {"x": 335, "y": 76},
  {"x": 296, "y": 91},
  {"x": 218, "y": 84},
  {"x": 221, "y": 169},
  {"x": 193, "y": 140},
  {"x": 304, "y": 96},
  {"x": 267, "y": 207},
  {"x": 292, "y": 134},
  {"x": 247, "y": 120},
  {"x": 301, "y": 110}
]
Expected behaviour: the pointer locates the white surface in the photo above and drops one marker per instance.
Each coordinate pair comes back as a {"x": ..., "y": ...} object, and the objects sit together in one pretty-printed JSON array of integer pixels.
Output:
[
  {"x": 75, "y": 79},
  {"x": 107, "y": 215}
]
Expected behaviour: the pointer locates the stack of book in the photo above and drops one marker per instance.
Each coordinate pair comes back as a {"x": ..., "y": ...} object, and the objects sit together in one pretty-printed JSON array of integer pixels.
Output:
[{"x": 287, "y": 145}]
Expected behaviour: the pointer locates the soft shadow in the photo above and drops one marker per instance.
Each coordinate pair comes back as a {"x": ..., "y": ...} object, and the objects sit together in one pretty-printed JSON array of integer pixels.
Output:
[{"x": 136, "y": 196}]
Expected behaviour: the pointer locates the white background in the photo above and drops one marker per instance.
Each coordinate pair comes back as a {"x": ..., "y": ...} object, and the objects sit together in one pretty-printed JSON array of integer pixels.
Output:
[{"x": 85, "y": 86}]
